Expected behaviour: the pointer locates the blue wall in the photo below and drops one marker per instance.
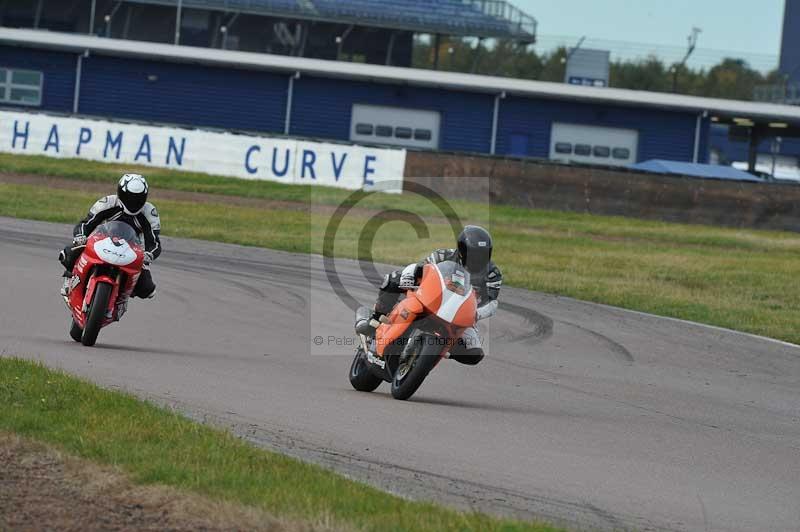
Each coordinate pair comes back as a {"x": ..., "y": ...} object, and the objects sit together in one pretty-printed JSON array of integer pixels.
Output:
[
  {"x": 790, "y": 47},
  {"x": 183, "y": 94},
  {"x": 199, "y": 95},
  {"x": 662, "y": 134},
  {"x": 59, "y": 74},
  {"x": 322, "y": 108}
]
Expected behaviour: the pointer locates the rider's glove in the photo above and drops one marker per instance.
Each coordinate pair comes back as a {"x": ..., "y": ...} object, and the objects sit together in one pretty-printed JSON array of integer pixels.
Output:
[
  {"x": 408, "y": 277},
  {"x": 407, "y": 282},
  {"x": 487, "y": 311},
  {"x": 148, "y": 257},
  {"x": 78, "y": 240}
]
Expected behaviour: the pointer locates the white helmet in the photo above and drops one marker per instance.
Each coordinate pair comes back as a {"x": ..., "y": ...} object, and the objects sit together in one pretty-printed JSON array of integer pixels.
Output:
[{"x": 132, "y": 193}]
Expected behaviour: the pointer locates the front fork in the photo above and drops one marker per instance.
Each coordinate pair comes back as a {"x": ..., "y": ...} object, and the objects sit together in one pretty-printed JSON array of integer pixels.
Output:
[{"x": 112, "y": 301}]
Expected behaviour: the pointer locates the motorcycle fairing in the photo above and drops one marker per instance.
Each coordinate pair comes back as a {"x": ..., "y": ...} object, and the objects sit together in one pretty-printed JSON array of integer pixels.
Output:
[
  {"x": 444, "y": 291},
  {"x": 401, "y": 317},
  {"x": 452, "y": 300},
  {"x": 101, "y": 252},
  {"x": 114, "y": 251}
]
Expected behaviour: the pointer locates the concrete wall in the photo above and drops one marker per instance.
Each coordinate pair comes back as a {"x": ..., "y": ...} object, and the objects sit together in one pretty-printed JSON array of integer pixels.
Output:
[{"x": 542, "y": 185}]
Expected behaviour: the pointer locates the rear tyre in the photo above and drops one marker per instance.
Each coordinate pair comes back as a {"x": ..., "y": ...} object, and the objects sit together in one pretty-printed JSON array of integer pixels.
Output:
[
  {"x": 412, "y": 372},
  {"x": 361, "y": 377},
  {"x": 97, "y": 313},
  {"x": 75, "y": 332}
]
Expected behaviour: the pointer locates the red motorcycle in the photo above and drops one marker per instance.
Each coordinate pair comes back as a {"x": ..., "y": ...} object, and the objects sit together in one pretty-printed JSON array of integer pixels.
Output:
[{"x": 103, "y": 280}]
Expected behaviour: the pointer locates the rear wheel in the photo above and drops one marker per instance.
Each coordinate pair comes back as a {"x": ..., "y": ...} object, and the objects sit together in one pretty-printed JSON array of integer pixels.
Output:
[
  {"x": 361, "y": 377},
  {"x": 75, "y": 331},
  {"x": 413, "y": 368},
  {"x": 97, "y": 313}
]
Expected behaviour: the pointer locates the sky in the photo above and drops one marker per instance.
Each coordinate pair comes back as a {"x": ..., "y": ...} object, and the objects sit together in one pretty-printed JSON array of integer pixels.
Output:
[{"x": 752, "y": 28}]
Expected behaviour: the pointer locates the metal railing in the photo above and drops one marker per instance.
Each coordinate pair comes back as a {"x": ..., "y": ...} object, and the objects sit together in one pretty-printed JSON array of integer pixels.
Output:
[
  {"x": 521, "y": 23},
  {"x": 490, "y": 18},
  {"x": 785, "y": 93}
]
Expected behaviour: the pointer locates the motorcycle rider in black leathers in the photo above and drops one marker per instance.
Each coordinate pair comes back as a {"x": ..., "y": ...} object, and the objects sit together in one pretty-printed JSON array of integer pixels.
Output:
[
  {"x": 130, "y": 206},
  {"x": 474, "y": 252}
]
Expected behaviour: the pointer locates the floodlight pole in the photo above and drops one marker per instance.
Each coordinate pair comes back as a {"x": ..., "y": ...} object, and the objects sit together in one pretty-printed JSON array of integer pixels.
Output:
[
  {"x": 92, "y": 14},
  {"x": 477, "y": 57},
  {"x": 692, "y": 45},
  {"x": 570, "y": 53},
  {"x": 436, "y": 43},
  {"x": 178, "y": 11},
  {"x": 340, "y": 41},
  {"x": 38, "y": 16},
  {"x": 576, "y": 48},
  {"x": 390, "y": 48}
]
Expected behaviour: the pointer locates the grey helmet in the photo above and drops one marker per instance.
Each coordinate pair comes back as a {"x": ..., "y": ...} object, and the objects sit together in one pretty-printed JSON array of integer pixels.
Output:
[{"x": 475, "y": 248}]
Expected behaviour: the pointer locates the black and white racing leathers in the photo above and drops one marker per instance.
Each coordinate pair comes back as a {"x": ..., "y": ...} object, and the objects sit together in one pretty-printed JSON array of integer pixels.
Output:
[
  {"x": 486, "y": 285},
  {"x": 146, "y": 223}
]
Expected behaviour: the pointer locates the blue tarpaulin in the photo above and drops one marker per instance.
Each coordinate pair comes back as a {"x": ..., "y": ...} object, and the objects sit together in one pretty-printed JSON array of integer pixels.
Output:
[{"x": 707, "y": 171}]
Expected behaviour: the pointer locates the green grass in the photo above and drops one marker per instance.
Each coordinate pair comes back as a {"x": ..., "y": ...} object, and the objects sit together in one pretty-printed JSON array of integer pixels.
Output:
[
  {"x": 740, "y": 279},
  {"x": 156, "y": 446}
]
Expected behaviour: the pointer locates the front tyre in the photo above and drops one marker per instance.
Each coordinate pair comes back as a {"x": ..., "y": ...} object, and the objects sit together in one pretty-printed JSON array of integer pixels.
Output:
[
  {"x": 75, "y": 331},
  {"x": 361, "y": 377},
  {"x": 97, "y": 313},
  {"x": 414, "y": 368}
]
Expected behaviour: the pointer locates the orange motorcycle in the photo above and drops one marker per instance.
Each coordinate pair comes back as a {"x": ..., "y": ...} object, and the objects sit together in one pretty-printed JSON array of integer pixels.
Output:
[{"x": 418, "y": 333}]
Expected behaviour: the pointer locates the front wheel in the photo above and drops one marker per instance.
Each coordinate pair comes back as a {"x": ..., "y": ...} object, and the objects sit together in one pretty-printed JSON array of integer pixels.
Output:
[
  {"x": 97, "y": 313},
  {"x": 414, "y": 367},
  {"x": 361, "y": 377}
]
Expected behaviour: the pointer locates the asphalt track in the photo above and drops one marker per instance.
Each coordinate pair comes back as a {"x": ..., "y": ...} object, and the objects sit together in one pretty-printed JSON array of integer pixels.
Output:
[{"x": 581, "y": 414}]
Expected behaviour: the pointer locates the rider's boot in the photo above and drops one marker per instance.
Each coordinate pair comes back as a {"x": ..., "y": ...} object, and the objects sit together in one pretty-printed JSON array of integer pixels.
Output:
[
  {"x": 67, "y": 275},
  {"x": 65, "y": 288},
  {"x": 364, "y": 322}
]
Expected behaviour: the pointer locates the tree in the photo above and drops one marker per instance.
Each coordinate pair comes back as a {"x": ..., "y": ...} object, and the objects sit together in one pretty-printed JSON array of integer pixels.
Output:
[
  {"x": 732, "y": 78},
  {"x": 647, "y": 75}
]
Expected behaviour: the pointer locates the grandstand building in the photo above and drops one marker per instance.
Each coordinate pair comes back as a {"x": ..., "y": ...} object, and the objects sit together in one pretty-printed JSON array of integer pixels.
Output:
[
  {"x": 778, "y": 150},
  {"x": 73, "y": 69},
  {"x": 370, "y": 31}
]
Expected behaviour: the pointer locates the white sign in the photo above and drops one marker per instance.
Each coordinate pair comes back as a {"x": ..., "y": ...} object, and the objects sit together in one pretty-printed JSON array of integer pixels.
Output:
[{"x": 195, "y": 150}]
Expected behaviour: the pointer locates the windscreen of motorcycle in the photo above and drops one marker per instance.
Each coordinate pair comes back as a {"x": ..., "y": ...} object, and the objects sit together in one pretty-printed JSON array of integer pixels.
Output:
[{"x": 114, "y": 250}]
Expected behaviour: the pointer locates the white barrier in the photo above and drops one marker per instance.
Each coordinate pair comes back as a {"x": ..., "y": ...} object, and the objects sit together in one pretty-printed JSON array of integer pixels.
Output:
[{"x": 195, "y": 150}]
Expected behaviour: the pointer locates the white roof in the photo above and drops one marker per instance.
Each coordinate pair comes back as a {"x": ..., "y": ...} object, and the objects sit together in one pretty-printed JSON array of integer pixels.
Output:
[{"x": 398, "y": 75}]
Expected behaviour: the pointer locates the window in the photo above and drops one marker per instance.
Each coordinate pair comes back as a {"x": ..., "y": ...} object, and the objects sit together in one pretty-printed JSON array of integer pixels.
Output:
[
  {"x": 22, "y": 87},
  {"x": 402, "y": 132},
  {"x": 621, "y": 153},
  {"x": 563, "y": 147},
  {"x": 395, "y": 126},
  {"x": 602, "y": 151},
  {"x": 364, "y": 129},
  {"x": 384, "y": 131},
  {"x": 423, "y": 134},
  {"x": 593, "y": 144}
]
